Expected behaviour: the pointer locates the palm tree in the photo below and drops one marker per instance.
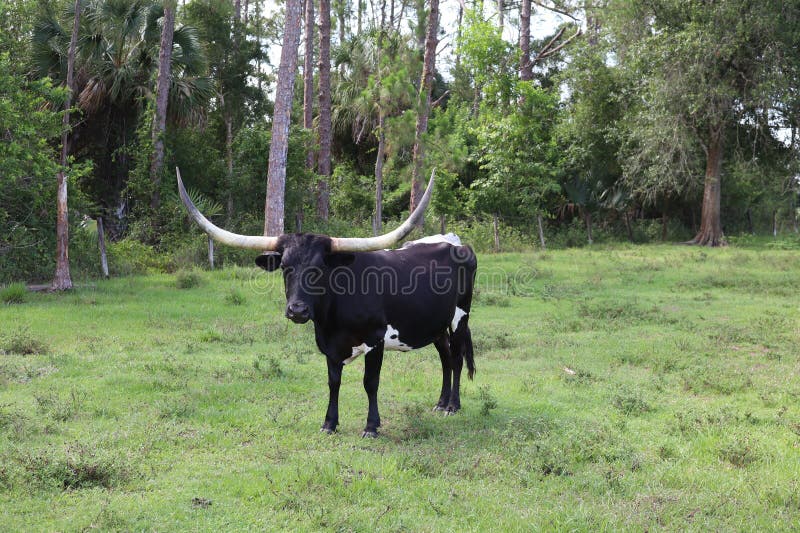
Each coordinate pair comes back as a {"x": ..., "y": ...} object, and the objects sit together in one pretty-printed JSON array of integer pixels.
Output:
[{"x": 116, "y": 58}]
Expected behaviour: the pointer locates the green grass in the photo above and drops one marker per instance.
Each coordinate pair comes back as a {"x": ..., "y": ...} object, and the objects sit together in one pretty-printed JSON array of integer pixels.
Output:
[{"x": 633, "y": 388}]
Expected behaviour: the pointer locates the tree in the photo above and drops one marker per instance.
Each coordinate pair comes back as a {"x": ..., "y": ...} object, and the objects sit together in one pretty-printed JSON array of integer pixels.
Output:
[
  {"x": 162, "y": 97},
  {"x": 706, "y": 69},
  {"x": 28, "y": 161},
  {"x": 325, "y": 129},
  {"x": 279, "y": 145},
  {"x": 116, "y": 60},
  {"x": 424, "y": 102},
  {"x": 62, "y": 279},
  {"x": 308, "y": 76}
]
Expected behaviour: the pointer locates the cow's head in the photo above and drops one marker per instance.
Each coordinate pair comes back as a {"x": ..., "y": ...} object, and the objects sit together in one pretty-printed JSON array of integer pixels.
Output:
[{"x": 305, "y": 259}]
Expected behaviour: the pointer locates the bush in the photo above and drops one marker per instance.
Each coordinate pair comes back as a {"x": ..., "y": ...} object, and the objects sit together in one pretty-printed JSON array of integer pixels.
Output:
[
  {"x": 130, "y": 256},
  {"x": 16, "y": 293},
  {"x": 187, "y": 279},
  {"x": 235, "y": 297},
  {"x": 23, "y": 343}
]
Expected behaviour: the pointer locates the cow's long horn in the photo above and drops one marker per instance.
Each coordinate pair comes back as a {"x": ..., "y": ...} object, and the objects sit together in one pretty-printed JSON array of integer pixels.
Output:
[
  {"x": 387, "y": 240},
  {"x": 267, "y": 244}
]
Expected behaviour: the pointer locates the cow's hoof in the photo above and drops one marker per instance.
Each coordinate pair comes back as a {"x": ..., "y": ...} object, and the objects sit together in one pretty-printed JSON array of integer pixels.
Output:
[
  {"x": 438, "y": 407},
  {"x": 369, "y": 434},
  {"x": 451, "y": 410},
  {"x": 327, "y": 431}
]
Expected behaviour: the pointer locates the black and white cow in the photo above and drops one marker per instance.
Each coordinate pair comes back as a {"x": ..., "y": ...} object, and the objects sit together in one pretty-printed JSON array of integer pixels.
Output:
[{"x": 364, "y": 299}]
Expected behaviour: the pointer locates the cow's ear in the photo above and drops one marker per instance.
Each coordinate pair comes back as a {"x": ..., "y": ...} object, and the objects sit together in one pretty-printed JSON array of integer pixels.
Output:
[
  {"x": 269, "y": 261},
  {"x": 338, "y": 259}
]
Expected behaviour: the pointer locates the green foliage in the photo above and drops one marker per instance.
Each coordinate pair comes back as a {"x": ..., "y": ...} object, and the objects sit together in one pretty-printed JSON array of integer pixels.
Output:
[
  {"x": 518, "y": 156},
  {"x": 15, "y": 293},
  {"x": 22, "y": 342},
  {"x": 188, "y": 279},
  {"x": 27, "y": 173},
  {"x": 130, "y": 256}
]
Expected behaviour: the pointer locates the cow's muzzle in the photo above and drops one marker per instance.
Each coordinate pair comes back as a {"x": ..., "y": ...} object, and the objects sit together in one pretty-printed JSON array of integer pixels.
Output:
[{"x": 298, "y": 312}]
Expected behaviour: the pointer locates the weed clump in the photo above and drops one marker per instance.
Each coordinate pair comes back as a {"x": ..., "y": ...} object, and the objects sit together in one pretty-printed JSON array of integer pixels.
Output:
[
  {"x": 235, "y": 297},
  {"x": 739, "y": 452},
  {"x": 80, "y": 467},
  {"x": 631, "y": 403},
  {"x": 488, "y": 400},
  {"x": 16, "y": 293},
  {"x": 23, "y": 343},
  {"x": 269, "y": 367},
  {"x": 60, "y": 408},
  {"x": 188, "y": 279}
]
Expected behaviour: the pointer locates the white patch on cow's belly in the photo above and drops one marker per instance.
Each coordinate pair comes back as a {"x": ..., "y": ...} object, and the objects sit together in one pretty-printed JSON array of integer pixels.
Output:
[
  {"x": 457, "y": 316},
  {"x": 361, "y": 349},
  {"x": 391, "y": 340}
]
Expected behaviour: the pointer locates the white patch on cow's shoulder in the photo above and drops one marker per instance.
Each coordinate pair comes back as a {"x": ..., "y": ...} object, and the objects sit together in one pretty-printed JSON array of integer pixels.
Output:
[
  {"x": 357, "y": 350},
  {"x": 391, "y": 340},
  {"x": 457, "y": 316},
  {"x": 450, "y": 238}
]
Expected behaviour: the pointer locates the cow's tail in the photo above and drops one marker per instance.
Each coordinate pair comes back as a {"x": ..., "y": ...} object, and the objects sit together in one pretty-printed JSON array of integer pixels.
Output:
[
  {"x": 468, "y": 264},
  {"x": 469, "y": 355}
]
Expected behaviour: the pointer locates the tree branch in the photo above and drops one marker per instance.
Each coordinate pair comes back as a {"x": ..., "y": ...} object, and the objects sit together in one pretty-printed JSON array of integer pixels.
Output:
[
  {"x": 547, "y": 51},
  {"x": 555, "y": 10}
]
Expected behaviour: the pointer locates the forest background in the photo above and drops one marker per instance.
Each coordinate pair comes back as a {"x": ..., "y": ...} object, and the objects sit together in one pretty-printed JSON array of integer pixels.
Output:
[{"x": 629, "y": 120}]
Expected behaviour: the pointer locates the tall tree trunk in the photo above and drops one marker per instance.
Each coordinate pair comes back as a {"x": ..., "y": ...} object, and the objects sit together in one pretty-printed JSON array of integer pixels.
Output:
[
  {"x": 258, "y": 25},
  {"x": 419, "y": 31},
  {"x": 162, "y": 98},
  {"x": 360, "y": 9},
  {"x": 341, "y": 17},
  {"x": 525, "y": 65},
  {"x": 541, "y": 231},
  {"x": 628, "y": 227},
  {"x": 62, "y": 279},
  {"x": 587, "y": 216},
  {"x": 279, "y": 146},
  {"x": 496, "y": 232},
  {"x": 710, "y": 233},
  {"x": 237, "y": 10},
  {"x": 325, "y": 128},
  {"x": 101, "y": 244},
  {"x": 424, "y": 103},
  {"x": 459, "y": 21},
  {"x": 228, "y": 119},
  {"x": 501, "y": 12},
  {"x": 379, "y": 174},
  {"x": 308, "y": 78}
]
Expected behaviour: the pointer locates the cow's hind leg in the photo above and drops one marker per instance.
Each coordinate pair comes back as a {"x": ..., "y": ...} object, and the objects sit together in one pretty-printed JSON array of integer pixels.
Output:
[
  {"x": 334, "y": 381},
  {"x": 372, "y": 377},
  {"x": 460, "y": 349},
  {"x": 443, "y": 347}
]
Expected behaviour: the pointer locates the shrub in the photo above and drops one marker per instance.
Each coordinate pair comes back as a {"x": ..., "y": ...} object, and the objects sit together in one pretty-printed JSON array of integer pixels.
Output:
[
  {"x": 130, "y": 256},
  {"x": 23, "y": 343},
  {"x": 235, "y": 297},
  {"x": 16, "y": 293},
  {"x": 187, "y": 279},
  {"x": 79, "y": 467}
]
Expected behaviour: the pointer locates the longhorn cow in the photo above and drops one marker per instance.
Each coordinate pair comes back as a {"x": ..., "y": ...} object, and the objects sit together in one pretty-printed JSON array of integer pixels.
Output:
[{"x": 365, "y": 298}]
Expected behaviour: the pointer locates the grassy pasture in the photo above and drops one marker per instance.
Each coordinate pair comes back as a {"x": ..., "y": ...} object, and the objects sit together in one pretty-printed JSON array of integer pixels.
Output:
[{"x": 627, "y": 388}]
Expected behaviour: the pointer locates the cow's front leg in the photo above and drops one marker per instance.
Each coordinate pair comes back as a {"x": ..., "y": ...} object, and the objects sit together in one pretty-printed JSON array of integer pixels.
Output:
[
  {"x": 334, "y": 381},
  {"x": 372, "y": 378}
]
